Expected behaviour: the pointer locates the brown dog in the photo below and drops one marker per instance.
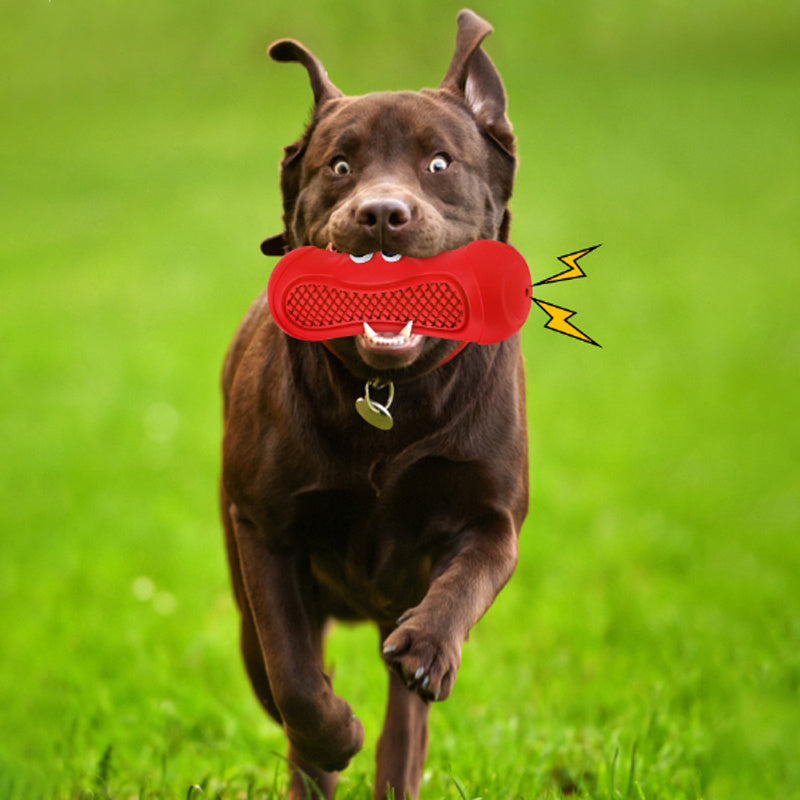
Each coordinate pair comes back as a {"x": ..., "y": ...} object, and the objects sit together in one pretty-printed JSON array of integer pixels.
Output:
[{"x": 414, "y": 528}]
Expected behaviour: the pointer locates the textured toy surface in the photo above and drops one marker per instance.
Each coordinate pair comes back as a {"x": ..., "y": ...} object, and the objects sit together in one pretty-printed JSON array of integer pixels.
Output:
[{"x": 479, "y": 293}]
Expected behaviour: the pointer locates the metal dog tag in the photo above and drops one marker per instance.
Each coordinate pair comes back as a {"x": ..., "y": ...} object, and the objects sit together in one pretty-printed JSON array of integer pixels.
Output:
[{"x": 374, "y": 413}]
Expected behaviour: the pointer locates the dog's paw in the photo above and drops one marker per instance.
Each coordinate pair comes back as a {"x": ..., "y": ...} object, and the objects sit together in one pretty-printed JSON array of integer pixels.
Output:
[
  {"x": 426, "y": 662},
  {"x": 330, "y": 739}
]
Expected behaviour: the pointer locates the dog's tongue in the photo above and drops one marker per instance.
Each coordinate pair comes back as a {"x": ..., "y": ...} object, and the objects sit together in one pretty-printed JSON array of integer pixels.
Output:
[{"x": 479, "y": 293}]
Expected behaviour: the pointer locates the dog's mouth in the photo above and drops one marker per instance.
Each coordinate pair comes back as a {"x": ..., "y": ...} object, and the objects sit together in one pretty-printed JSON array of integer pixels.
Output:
[
  {"x": 390, "y": 347},
  {"x": 403, "y": 339}
]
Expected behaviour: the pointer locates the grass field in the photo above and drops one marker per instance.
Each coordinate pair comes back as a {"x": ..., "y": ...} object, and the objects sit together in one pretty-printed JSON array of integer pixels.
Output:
[{"x": 649, "y": 644}]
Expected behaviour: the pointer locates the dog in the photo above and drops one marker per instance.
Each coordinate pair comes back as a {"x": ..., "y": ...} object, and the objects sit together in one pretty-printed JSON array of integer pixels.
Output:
[{"x": 326, "y": 517}]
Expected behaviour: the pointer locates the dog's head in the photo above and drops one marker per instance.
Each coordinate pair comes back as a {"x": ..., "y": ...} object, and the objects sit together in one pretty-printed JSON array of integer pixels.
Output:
[{"x": 413, "y": 173}]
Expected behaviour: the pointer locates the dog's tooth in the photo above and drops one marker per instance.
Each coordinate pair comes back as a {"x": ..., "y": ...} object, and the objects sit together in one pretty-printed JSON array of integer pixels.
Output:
[{"x": 406, "y": 332}]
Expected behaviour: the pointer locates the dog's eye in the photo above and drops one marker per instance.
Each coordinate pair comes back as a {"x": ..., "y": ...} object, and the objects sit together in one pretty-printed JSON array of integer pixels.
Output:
[
  {"x": 439, "y": 163},
  {"x": 340, "y": 166}
]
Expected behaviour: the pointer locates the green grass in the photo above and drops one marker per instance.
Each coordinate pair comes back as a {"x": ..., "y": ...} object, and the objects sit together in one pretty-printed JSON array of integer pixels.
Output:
[{"x": 648, "y": 644}]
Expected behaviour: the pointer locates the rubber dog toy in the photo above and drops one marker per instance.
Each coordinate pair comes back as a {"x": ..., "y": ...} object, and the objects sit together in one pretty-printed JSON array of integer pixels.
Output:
[{"x": 479, "y": 293}]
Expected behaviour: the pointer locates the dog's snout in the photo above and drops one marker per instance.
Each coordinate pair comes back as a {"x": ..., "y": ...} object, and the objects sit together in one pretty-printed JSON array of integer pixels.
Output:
[{"x": 382, "y": 215}]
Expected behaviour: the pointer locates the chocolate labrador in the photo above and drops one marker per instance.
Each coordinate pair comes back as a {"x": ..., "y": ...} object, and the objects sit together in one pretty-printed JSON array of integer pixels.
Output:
[{"x": 414, "y": 527}]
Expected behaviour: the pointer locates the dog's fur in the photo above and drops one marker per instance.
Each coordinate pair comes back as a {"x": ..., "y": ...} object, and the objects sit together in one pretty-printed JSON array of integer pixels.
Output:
[{"x": 416, "y": 528}]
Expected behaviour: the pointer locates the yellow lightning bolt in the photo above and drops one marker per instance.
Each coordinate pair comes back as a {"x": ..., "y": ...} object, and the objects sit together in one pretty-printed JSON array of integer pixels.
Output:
[
  {"x": 558, "y": 321},
  {"x": 574, "y": 271}
]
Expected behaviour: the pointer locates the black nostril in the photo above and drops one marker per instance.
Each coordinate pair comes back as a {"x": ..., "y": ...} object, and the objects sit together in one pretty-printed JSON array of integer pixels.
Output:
[
  {"x": 398, "y": 218},
  {"x": 367, "y": 218}
]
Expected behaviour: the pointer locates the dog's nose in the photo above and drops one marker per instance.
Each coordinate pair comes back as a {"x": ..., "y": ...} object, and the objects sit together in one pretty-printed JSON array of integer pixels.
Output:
[{"x": 381, "y": 215}]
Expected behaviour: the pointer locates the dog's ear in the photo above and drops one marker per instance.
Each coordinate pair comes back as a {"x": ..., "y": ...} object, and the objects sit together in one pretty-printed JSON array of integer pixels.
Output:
[
  {"x": 473, "y": 77},
  {"x": 290, "y": 50},
  {"x": 286, "y": 50},
  {"x": 274, "y": 245}
]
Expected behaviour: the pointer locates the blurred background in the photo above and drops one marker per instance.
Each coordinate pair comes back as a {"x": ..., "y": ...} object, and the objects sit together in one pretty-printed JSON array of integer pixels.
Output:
[{"x": 653, "y": 627}]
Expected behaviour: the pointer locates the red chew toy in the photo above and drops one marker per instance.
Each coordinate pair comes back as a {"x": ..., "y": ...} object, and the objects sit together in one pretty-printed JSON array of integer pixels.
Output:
[{"x": 479, "y": 293}]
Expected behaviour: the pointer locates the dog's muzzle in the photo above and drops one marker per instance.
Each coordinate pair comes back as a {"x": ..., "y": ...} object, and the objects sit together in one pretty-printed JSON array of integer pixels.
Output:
[{"x": 479, "y": 293}]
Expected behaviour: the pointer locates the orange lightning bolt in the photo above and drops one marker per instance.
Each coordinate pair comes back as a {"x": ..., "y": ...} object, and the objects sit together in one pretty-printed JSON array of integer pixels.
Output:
[
  {"x": 558, "y": 321},
  {"x": 574, "y": 271}
]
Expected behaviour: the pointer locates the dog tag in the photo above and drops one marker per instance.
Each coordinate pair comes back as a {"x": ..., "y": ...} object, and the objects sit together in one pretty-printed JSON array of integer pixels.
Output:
[{"x": 374, "y": 413}]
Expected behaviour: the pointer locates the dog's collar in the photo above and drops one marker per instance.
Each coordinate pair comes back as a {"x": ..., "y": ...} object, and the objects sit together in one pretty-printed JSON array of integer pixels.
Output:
[
  {"x": 376, "y": 414},
  {"x": 449, "y": 357}
]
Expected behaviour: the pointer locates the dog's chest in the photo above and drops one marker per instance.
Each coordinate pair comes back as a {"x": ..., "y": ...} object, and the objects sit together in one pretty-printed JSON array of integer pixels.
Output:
[{"x": 361, "y": 554}]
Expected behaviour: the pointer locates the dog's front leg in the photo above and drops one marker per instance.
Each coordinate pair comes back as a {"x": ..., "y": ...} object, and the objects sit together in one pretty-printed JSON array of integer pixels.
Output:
[
  {"x": 425, "y": 647},
  {"x": 403, "y": 744},
  {"x": 321, "y": 727}
]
